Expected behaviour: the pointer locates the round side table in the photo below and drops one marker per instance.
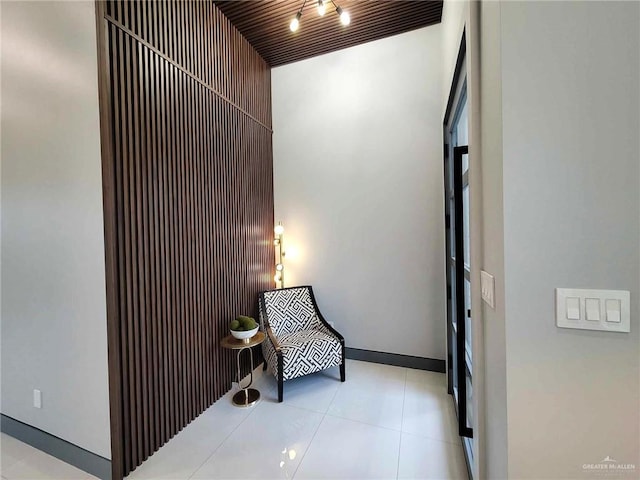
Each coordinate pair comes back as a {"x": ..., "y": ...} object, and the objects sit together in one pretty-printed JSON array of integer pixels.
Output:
[{"x": 246, "y": 397}]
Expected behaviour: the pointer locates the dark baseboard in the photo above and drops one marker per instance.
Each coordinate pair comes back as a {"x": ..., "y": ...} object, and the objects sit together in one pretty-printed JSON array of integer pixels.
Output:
[
  {"x": 67, "y": 452},
  {"x": 396, "y": 359}
]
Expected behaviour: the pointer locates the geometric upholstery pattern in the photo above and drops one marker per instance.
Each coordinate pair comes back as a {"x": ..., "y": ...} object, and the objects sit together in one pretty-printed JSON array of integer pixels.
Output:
[
  {"x": 307, "y": 352},
  {"x": 291, "y": 310},
  {"x": 298, "y": 340}
]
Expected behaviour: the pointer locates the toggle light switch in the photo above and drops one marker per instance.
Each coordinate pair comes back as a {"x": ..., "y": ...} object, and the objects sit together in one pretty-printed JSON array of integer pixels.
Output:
[
  {"x": 613, "y": 310},
  {"x": 573, "y": 308},
  {"x": 592, "y": 309}
]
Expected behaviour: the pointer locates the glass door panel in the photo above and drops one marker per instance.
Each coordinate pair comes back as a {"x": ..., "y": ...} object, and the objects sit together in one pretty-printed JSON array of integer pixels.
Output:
[
  {"x": 457, "y": 168},
  {"x": 467, "y": 330}
]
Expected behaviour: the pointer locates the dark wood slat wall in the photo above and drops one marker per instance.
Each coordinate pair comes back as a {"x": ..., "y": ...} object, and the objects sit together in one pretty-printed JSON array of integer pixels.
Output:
[{"x": 188, "y": 210}]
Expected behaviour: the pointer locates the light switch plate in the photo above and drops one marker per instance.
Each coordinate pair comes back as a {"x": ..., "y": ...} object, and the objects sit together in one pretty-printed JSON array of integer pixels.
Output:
[
  {"x": 488, "y": 288},
  {"x": 612, "y": 304}
]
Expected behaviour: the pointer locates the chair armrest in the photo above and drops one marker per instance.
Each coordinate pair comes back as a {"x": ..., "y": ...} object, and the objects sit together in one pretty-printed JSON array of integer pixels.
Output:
[
  {"x": 329, "y": 327},
  {"x": 322, "y": 320},
  {"x": 273, "y": 339}
]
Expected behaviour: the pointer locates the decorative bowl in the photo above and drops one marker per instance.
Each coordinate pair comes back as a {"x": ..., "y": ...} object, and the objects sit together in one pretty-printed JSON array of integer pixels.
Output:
[{"x": 244, "y": 334}]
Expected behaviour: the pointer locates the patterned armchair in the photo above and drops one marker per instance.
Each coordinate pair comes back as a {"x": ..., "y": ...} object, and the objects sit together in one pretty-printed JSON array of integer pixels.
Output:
[{"x": 299, "y": 340}]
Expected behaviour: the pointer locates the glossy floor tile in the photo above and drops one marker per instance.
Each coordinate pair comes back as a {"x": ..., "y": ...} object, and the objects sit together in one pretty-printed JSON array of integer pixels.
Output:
[
  {"x": 275, "y": 437},
  {"x": 313, "y": 392},
  {"x": 348, "y": 449},
  {"x": 380, "y": 407},
  {"x": 384, "y": 422},
  {"x": 424, "y": 458},
  {"x": 190, "y": 448},
  {"x": 22, "y": 462},
  {"x": 429, "y": 412}
]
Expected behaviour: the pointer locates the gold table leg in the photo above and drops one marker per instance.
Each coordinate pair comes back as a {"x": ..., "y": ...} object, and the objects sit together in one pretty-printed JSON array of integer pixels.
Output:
[{"x": 246, "y": 397}]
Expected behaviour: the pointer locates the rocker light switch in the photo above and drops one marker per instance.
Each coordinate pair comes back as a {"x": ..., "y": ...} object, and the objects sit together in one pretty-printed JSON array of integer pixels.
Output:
[
  {"x": 592, "y": 309},
  {"x": 613, "y": 311},
  {"x": 573, "y": 308}
]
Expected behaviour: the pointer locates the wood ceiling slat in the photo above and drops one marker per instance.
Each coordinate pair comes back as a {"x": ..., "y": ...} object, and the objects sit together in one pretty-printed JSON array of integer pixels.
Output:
[
  {"x": 342, "y": 42},
  {"x": 370, "y": 28},
  {"x": 314, "y": 46},
  {"x": 270, "y": 42},
  {"x": 249, "y": 15},
  {"x": 257, "y": 28},
  {"x": 265, "y": 24}
]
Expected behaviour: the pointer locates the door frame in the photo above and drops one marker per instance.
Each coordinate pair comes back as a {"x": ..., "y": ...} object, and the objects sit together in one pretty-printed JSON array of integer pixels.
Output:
[
  {"x": 450, "y": 111},
  {"x": 461, "y": 306}
]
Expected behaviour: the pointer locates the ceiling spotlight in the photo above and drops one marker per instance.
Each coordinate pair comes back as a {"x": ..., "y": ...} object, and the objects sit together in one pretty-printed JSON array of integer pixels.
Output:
[
  {"x": 321, "y": 8},
  {"x": 344, "y": 16},
  {"x": 295, "y": 23}
]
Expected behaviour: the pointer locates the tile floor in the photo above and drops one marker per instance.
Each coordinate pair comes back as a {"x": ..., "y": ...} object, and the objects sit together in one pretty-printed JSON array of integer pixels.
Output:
[
  {"x": 384, "y": 422},
  {"x": 21, "y": 461}
]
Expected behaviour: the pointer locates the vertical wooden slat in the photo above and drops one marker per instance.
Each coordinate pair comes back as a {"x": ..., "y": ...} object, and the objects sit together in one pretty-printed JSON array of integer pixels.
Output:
[
  {"x": 162, "y": 159},
  {"x": 108, "y": 80},
  {"x": 188, "y": 34},
  {"x": 144, "y": 19},
  {"x": 126, "y": 276},
  {"x": 161, "y": 407},
  {"x": 181, "y": 248},
  {"x": 207, "y": 373},
  {"x": 196, "y": 218},
  {"x": 132, "y": 243},
  {"x": 139, "y": 236},
  {"x": 173, "y": 248},
  {"x": 187, "y": 172},
  {"x": 193, "y": 214},
  {"x": 147, "y": 243},
  {"x": 156, "y": 400}
]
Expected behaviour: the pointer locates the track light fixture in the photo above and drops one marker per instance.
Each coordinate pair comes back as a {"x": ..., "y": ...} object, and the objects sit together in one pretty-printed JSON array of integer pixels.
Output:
[{"x": 345, "y": 18}]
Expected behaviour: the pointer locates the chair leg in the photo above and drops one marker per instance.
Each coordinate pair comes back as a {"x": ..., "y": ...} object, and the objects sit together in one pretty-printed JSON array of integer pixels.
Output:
[
  {"x": 280, "y": 378},
  {"x": 342, "y": 372}
]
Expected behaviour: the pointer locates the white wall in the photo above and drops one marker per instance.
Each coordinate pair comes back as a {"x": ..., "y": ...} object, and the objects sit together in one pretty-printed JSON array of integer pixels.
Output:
[
  {"x": 359, "y": 187},
  {"x": 570, "y": 98},
  {"x": 481, "y": 21},
  {"x": 492, "y": 217},
  {"x": 53, "y": 280},
  {"x": 559, "y": 97}
]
